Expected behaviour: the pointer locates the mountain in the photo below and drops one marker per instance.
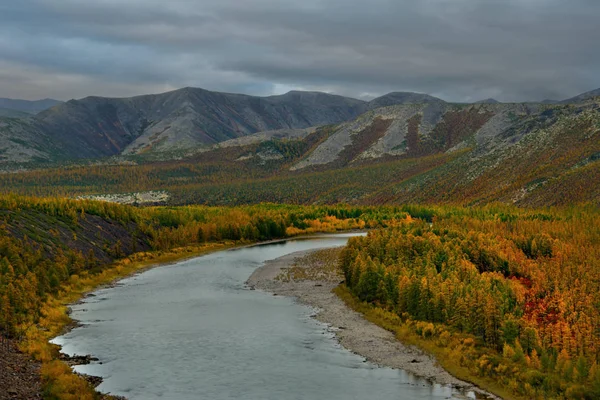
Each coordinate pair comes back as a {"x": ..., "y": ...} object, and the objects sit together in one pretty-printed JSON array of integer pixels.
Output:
[
  {"x": 528, "y": 154},
  {"x": 413, "y": 130},
  {"x": 23, "y": 140},
  {"x": 583, "y": 97},
  {"x": 525, "y": 154},
  {"x": 487, "y": 101},
  {"x": 172, "y": 124},
  {"x": 189, "y": 117},
  {"x": 27, "y": 106},
  {"x": 182, "y": 119},
  {"x": 402, "y": 98}
]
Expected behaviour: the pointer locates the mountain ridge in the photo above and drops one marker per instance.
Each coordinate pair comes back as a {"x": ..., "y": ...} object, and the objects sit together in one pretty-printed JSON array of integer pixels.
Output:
[
  {"x": 582, "y": 97},
  {"x": 28, "y": 106},
  {"x": 189, "y": 118},
  {"x": 96, "y": 126},
  {"x": 487, "y": 101}
]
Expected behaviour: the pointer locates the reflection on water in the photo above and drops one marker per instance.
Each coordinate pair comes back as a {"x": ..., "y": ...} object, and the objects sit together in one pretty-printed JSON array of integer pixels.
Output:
[{"x": 194, "y": 331}]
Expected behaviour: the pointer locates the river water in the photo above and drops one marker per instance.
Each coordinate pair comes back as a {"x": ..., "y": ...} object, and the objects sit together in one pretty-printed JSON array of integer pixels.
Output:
[{"x": 192, "y": 330}]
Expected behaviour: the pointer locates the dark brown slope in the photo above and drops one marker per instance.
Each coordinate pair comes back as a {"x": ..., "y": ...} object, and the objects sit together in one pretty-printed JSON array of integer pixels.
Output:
[{"x": 19, "y": 375}]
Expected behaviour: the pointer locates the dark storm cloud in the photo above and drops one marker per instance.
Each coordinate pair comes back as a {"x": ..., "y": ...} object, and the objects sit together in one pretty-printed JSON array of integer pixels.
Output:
[{"x": 460, "y": 50}]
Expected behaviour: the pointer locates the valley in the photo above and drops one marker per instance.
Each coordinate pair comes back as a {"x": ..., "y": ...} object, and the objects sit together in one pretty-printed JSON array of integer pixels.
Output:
[
  {"x": 283, "y": 200},
  {"x": 492, "y": 203}
]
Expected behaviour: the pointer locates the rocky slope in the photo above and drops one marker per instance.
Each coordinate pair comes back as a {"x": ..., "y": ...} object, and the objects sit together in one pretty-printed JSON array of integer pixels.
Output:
[
  {"x": 533, "y": 155},
  {"x": 416, "y": 130},
  {"x": 393, "y": 98},
  {"x": 23, "y": 140},
  {"x": 487, "y": 101},
  {"x": 19, "y": 375}
]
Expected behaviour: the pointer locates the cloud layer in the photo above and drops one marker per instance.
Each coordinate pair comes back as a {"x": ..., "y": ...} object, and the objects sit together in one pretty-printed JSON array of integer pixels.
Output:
[{"x": 460, "y": 50}]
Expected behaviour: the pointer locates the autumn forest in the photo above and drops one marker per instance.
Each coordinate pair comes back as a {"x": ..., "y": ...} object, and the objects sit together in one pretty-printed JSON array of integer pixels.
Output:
[{"x": 509, "y": 294}]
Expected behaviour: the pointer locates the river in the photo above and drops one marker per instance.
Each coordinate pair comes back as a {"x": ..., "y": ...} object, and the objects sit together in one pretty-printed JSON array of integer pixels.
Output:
[{"x": 193, "y": 330}]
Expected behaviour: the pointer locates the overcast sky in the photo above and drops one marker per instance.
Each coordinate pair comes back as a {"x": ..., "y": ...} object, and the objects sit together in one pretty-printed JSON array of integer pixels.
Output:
[{"x": 459, "y": 50}]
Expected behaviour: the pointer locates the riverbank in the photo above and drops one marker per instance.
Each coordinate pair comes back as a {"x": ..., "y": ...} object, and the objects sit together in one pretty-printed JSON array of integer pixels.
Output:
[
  {"x": 57, "y": 377},
  {"x": 308, "y": 277},
  {"x": 56, "y": 373}
]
